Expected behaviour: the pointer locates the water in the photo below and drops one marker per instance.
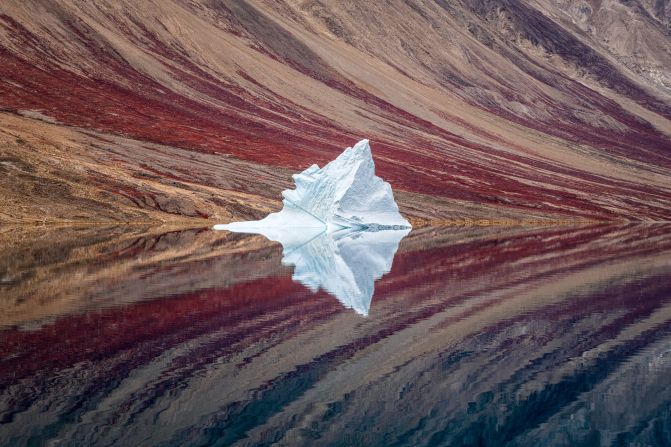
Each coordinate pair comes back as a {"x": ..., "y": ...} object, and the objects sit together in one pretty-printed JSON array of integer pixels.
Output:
[{"x": 477, "y": 336}]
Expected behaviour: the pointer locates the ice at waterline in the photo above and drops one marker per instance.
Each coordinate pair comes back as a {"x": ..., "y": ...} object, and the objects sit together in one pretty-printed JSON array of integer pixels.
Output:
[{"x": 340, "y": 228}]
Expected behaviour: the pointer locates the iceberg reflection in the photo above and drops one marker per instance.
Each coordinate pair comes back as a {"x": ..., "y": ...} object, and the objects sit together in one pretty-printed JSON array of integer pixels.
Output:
[{"x": 345, "y": 263}]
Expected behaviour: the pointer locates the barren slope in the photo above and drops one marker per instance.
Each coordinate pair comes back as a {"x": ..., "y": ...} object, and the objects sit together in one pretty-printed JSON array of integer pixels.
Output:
[{"x": 501, "y": 109}]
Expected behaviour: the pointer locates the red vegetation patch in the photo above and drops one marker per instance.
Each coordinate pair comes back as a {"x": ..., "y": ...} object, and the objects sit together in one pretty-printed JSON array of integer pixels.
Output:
[{"x": 264, "y": 127}]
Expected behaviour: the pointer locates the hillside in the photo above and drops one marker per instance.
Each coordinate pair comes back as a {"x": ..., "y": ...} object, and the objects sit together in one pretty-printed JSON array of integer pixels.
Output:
[{"x": 172, "y": 110}]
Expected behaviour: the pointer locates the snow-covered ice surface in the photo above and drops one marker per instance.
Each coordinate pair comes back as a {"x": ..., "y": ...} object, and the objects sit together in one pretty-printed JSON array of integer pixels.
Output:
[{"x": 340, "y": 227}]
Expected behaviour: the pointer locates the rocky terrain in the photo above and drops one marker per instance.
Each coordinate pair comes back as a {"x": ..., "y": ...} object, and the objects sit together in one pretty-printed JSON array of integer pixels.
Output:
[{"x": 167, "y": 110}]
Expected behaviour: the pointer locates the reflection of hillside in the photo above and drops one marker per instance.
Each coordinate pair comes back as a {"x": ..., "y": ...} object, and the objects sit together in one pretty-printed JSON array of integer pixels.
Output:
[
  {"x": 472, "y": 333},
  {"x": 71, "y": 269}
]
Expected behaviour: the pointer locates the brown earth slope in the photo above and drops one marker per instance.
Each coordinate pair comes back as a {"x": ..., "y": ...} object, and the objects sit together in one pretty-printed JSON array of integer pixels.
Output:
[{"x": 177, "y": 110}]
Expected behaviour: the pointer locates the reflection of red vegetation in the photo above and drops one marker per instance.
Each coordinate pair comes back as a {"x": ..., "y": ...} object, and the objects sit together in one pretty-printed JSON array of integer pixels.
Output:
[
  {"x": 262, "y": 305},
  {"x": 270, "y": 308},
  {"x": 509, "y": 262}
]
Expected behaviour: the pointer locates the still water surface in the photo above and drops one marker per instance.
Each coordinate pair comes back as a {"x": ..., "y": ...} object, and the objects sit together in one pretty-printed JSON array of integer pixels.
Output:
[{"x": 477, "y": 336}]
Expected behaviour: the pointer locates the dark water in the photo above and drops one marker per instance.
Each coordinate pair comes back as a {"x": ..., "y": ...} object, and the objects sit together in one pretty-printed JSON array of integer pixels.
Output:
[{"x": 477, "y": 336}]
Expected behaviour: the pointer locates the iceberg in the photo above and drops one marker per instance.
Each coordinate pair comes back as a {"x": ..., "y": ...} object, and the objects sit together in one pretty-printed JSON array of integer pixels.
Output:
[
  {"x": 340, "y": 228},
  {"x": 345, "y": 193}
]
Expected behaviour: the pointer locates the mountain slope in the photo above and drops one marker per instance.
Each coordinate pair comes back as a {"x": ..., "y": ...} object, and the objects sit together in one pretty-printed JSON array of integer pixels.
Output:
[{"x": 507, "y": 109}]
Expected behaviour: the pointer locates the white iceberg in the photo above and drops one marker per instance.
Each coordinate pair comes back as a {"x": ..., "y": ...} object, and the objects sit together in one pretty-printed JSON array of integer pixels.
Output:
[
  {"x": 345, "y": 193},
  {"x": 340, "y": 227}
]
